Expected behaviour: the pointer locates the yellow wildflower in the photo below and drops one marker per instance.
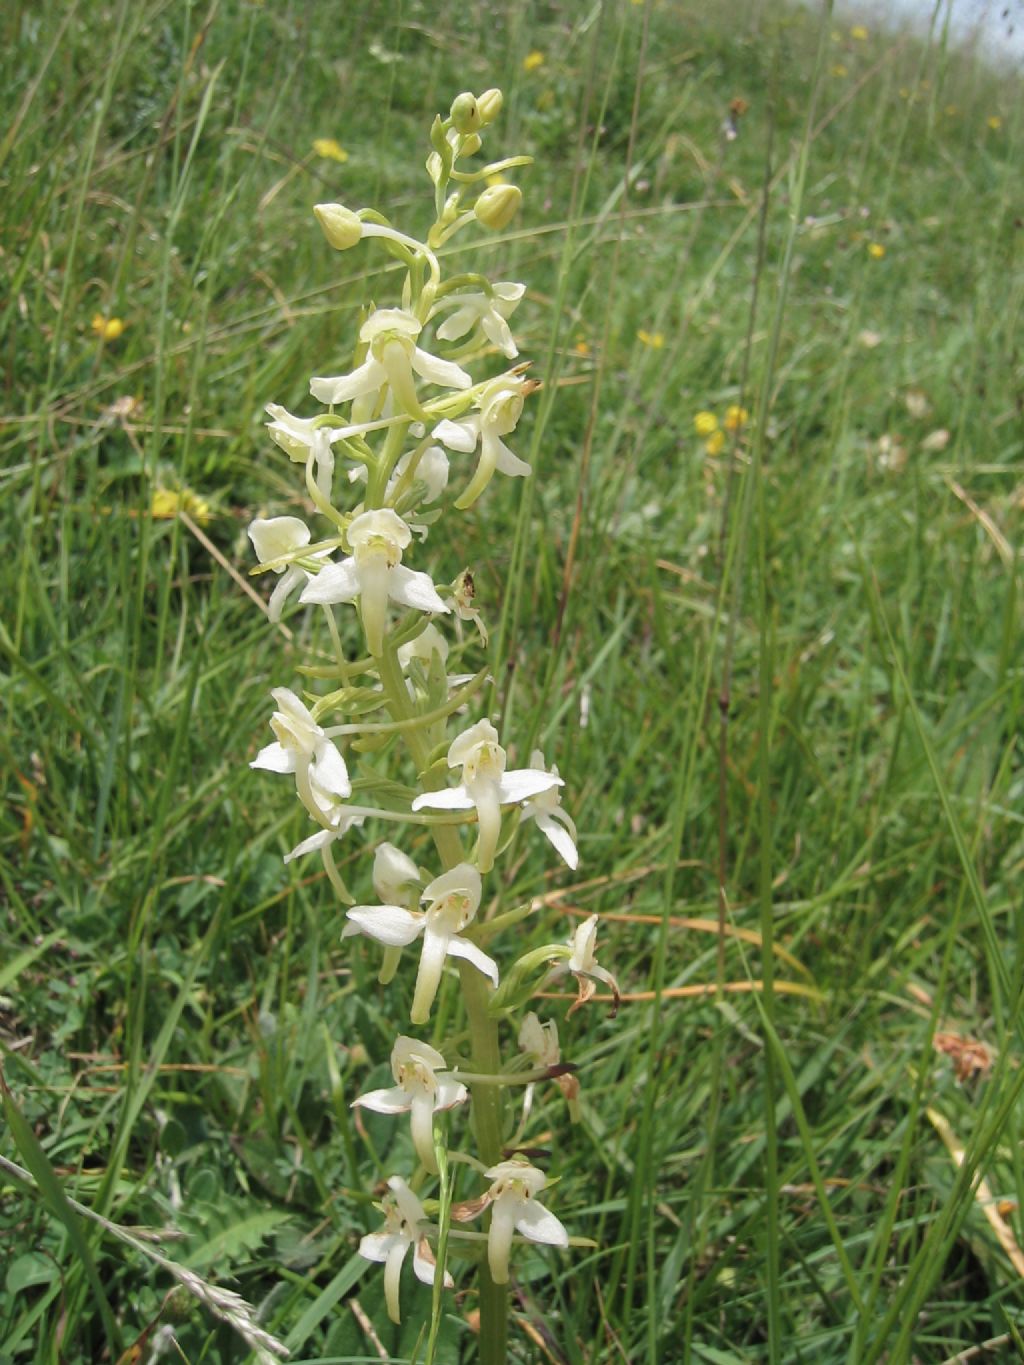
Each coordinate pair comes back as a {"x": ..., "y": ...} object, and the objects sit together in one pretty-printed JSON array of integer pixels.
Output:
[
  {"x": 859, "y": 33},
  {"x": 107, "y": 329},
  {"x": 532, "y": 60},
  {"x": 715, "y": 443},
  {"x": 995, "y": 122},
  {"x": 166, "y": 503},
  {"x": 839, "y": 69},
  {"x": 876, "y": 250},
  {"x": 952, "y": 110},
  {"x": 582, "y": 347},
  {"x": 329, "y": 148},
  {"x": 705, "y": 423},
  {"x": 653, "y": 339},
  {"x": 735, "y": 417}
]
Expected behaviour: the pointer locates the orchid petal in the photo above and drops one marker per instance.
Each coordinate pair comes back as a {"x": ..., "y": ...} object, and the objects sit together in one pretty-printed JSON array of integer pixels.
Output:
[
  {"x": 334, "y": 583},
  {"x": 388, "y": 924}
]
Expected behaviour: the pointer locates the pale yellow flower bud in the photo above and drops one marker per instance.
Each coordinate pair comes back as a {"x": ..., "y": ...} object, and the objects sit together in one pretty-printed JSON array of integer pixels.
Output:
[
  {"x": 498, "y": 205},
  {"x": 465, "y": 114},
  {"x": 489, "y": 106},
  {"x": 340, "y": 225}
]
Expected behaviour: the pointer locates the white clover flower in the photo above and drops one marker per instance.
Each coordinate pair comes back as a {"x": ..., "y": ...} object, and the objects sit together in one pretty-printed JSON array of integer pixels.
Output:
[
  {"x": 582, "y": 963},
  {"x": 374, "y": 573},
  {"x": 403, "y": 1214},
  {"x": 275, "y": 538},
  {"x": 418, "y": 1092},
  {"x": 514, "y": 1208},
  {"x": 393, "y": 358},
  {"x": 301, "y": 437},
  {"x": 302, "y": 748},
  {"x": 485, "y": 785},
  {"x": 546, "y": 809},
  {"x": 501, "y": 404},
  {"x": 454, "y": 899},
  {"x": 490, "y": 312}
]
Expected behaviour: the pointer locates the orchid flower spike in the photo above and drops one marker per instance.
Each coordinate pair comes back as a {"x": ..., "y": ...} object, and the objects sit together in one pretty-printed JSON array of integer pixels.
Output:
[
  {"x": 302, "y": 748},
  {"x": 453, "y": 900},
  {"x": 403, "y": 1215},
  {"x": 514, "y": 1208},
  {"x": 485, "y": 785},
  {"x": 419, "y": 1092},
  {"x": 374, "y": 574},
  {"x": 391, "y": 334},
  {"x": 546, "y": 809}
]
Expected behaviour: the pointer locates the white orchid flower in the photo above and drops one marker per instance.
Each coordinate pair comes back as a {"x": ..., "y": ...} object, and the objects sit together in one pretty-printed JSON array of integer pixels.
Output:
[
  {"x": 302, "y": 437},
  {"x": 396, "y": 879},
  {"x": 454, "y": 899},
  {"x": 512, "y": 1199},
  {"x": 546, "y": 809},
  {"x": 302, "y": 748},
  {"x": 392, "y": 360},
  {"x": 418, "y": 1092},
  {"x": 429, "y": 642},
  {"x": 276, "y": 538},
  {"x": 501, "y": 404},
  {"x": 491, "y": 313},
  {"x": 485, "y": 785},
  {"x": 374, "y": 573},
  {"x": 582, "y": 962},
  {"x": 540, "y": 1043},
  {"x": 403, "y": 1215}
]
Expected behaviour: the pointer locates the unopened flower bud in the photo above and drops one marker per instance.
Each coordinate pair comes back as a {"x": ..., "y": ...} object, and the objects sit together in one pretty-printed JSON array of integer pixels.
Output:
[
  {"x": 465, "y": 115},
  {"x": 340, "y": 225},
  {"x": 488, "y": 106},
  {"x": 471, "y": 145},
  {"x": 498, "y": 205}
]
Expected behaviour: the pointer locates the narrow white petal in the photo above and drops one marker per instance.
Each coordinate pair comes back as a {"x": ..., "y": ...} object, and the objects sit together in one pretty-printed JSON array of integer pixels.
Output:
[
  {"x": 460, "y": 436},
  {"x": 452, "y": 798},
  {"x": 499, "y": 1239},
  {"x": 560, "y": 839},
  {"x": 393, "y": 1275},
  {"x": 275, "y": 758},
  {"x": 412, "y": 589},
  {"x": 436, "y": 371},
  {"x": 388, "y": 924},
  {"x": 340, "y": 388},
  {"x": 498, "y": 333},
  {"x": 286, "y": 585},
  {"x": 458, "y": 324},
  {"x": 461, "y": 947},
  {"x": 426, "y": 1269},
  {"x": 450, "y": 1093},
  {"x": 522, "y": 783},
  {"x": 428, "y": 978},
  {"x": 536, "y": 1223},
  {"x": 334, "y": 583},
  {"x": 507, "y": 462},
  {"x": 318, "y": 840},
  {"x": 393, "y": 1101},
  {"x": 329, "y": 771},
  {"x": 421, "y": 1118},
  {"x": 375, "y": 1246}
]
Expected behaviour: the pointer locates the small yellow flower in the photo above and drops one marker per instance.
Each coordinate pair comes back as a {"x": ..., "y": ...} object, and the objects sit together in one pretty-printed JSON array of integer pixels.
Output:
[
  {"x": 107, "y": 329},
  {"x": 995, "y": 122},
  {"x": 735, "y": 417},
  {"x": 715, "y": 443},
  {"x": 839, "y": 70},
  {"x": 859, "y": 33},
  {"x": 876, "y": 250},
  {"x": 166, "y": 503},
  {"x": 582, "y": 347},
  {"x": 329, "y": 148},
  {"x": 532, "y": 60},
  {"x": 653, "y": 339},
  {"x": 705, "y": 423}
]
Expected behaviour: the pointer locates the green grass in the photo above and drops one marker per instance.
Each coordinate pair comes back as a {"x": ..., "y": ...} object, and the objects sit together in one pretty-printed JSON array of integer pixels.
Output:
[{"x": 792, "y": 670}]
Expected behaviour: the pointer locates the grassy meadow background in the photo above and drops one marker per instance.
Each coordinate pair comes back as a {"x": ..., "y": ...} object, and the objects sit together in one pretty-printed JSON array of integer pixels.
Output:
[{"x": 789, "y": 667}]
